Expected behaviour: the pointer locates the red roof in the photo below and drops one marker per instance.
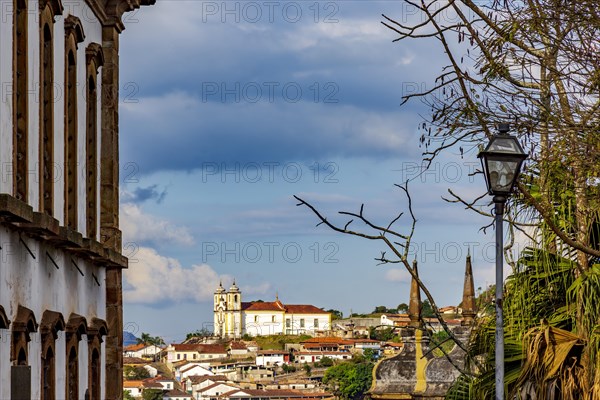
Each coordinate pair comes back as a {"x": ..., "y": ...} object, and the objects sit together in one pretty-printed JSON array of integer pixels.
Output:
[
  {"x": 275, "y": 352},
  {"x": 280, "y": 307},
  {"x": 238, "y": 346},
  {"x": 132, "y": 384},
  {"x": 211, "y": 349},
  {"x": 328, "y": 340},
  {"x": 263, "y": 306},
  {"x": 304, "y": 309},
  {"x": 135, "y": 347},
  {"x": 134, "y": 361},
  {"x": 185, "y": 347}
]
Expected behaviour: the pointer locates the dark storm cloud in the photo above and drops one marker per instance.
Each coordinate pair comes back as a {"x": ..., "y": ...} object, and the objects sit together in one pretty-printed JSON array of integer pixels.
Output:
[{"x": 269, "y": 89}]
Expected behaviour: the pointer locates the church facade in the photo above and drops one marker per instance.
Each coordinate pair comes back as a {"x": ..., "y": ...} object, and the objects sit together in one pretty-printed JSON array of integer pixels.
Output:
[
  {"x": 234, "y": 318},
  {"x": 61, "y": 324}
]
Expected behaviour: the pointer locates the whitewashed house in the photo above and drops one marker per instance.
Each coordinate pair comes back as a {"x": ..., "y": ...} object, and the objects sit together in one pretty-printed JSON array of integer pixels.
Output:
[
  {"x": 141, "y": 350},
  {"x": 234, "y": 318},
  {"x": 269, "y": 358},
  {"x": 177, "y": 395},
  {"x": 194, "y": 383},
  {"x": 194, "y": 370},
  {"x": 61, "y": 261},
  {"x": 303, "y": 357},
  {"x": 134, "y": 388},
  {"x": 213, "y": 391}
]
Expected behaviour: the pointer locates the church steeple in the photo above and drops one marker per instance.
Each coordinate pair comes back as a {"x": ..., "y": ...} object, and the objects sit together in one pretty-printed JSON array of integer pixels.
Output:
[
  {"x": 414, "y": 305},
  {"x": 469, "y": 309}
]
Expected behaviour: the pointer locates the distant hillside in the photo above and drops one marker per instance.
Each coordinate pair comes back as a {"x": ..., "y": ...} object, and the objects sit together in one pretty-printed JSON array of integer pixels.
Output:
[{"x": 128, "y": 338}]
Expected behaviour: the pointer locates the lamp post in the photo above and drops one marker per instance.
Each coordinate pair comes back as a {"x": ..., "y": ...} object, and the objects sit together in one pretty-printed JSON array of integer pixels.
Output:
[{"x": 501, "y": 161}]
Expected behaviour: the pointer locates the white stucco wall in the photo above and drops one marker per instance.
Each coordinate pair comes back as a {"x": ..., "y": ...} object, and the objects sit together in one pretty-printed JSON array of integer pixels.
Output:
[
  {"x": 39, "y": 286},
  {"x": 34, "y": 281},
  {"x": 263, "y": 322},
  {"x": 323, "y": 323}
]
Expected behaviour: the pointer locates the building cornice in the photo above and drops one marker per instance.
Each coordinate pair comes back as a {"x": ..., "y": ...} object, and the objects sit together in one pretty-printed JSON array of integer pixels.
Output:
[{"x": 110, "y": 12}]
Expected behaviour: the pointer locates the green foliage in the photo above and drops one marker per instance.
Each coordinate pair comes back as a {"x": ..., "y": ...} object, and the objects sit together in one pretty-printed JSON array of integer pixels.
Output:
[
  {"x": 542, "y": 288},
  {"x": 442, "y": 342},
  {"x": 288, "y": 368},
  {"x": 426, "y": 309},
  {"x": 146, "y": 339},
  {"x": 277, "y": 342},
  {"x": 369, "y": 354},
  {"x": 134, "y": 373},
  {"x": 152, "y": 394},
  {"x": 324, "y": 362},
  {"x": 381, "y": 334},
  {"x": 200, "y": 333},
  {"x": 308, "y": 369},
  {"x": 335, "y": 314},
  {"x": 402, "y": 308},
  {"x": 127, "y": 395},
  {"x": 349, "y": 380}
]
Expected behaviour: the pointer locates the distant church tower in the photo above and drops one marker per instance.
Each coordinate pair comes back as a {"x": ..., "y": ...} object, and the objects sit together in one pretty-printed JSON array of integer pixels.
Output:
[
  {"x": 220, "y": 306},
  {"x": 228, "y": 312}
]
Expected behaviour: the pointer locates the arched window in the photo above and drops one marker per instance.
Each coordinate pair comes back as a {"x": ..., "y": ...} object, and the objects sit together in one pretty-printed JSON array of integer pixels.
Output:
[
  {"x": 4, "y": 322},
  {"x": 73, "y": 35},
  {"x": 23, "y": 325},
  {"x": 52, "y": 323},
  {"x": 95, "y": 59},
  {"x": 49, "y": 9},
  {"x": 76, "y": 327},
  {"x": 20, "y": 100},
  {"x": 95, "y": 332}
]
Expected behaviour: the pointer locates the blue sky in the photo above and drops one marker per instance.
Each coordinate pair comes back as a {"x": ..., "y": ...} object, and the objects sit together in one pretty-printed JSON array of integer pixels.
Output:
[{"x": 228, "y": 109}]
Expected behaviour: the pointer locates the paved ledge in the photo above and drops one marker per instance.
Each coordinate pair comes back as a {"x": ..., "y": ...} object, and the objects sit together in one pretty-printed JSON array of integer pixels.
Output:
[{"x": 20, "y": 216}]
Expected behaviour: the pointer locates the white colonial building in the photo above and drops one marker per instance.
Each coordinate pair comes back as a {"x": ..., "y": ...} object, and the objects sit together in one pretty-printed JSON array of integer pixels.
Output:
[
  {"x": 61, "y": 265},
  {"x": 234, "y": 318}
]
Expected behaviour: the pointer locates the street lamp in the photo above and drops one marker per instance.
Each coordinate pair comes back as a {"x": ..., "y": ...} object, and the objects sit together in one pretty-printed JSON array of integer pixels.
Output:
[{"x": 501, "y": 161}]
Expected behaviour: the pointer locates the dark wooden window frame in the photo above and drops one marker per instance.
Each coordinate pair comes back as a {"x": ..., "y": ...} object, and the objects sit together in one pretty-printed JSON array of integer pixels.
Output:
[
  {"x": 73, "y": 36},
  {"x": 52, "y": 323},
  {"x": 20, "y": 98},
  {"x": 23, "y": 325},
  {"x": 49, "y": 10},
  {"x": 94, "y": 59},
  {"x": 96, "y": 331},
  {"x": 76, "y": 327}
]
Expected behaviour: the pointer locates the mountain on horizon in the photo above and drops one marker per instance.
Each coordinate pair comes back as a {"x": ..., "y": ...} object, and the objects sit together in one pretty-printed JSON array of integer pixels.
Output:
[{"x": 128, "y": 338}]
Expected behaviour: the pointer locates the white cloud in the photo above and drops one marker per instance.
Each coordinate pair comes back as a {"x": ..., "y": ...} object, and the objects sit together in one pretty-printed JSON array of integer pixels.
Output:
[
  {"x": 263, "y": 288},
  {"x": 397, "y": 275},
  {"x": 155, "y": 279},
  {"x": 140, "y": 227}
]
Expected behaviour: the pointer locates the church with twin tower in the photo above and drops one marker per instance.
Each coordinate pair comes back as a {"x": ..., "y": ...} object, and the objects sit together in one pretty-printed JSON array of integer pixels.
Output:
[{"x": 234, "y": 318}]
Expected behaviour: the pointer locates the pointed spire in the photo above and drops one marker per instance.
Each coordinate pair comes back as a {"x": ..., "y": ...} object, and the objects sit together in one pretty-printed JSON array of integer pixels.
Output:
[
  {"x": 414, "y": 305},
  {"x": 277, "y": 296},
  {"x": 469, "y": 310}
]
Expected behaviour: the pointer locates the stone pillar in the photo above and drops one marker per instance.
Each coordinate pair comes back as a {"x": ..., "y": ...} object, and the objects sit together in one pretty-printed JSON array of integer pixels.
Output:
[
  {"x": 109, "y": 209},
  {"x": 469, "y": 308},
  {"x": 414, "y": 305}
]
